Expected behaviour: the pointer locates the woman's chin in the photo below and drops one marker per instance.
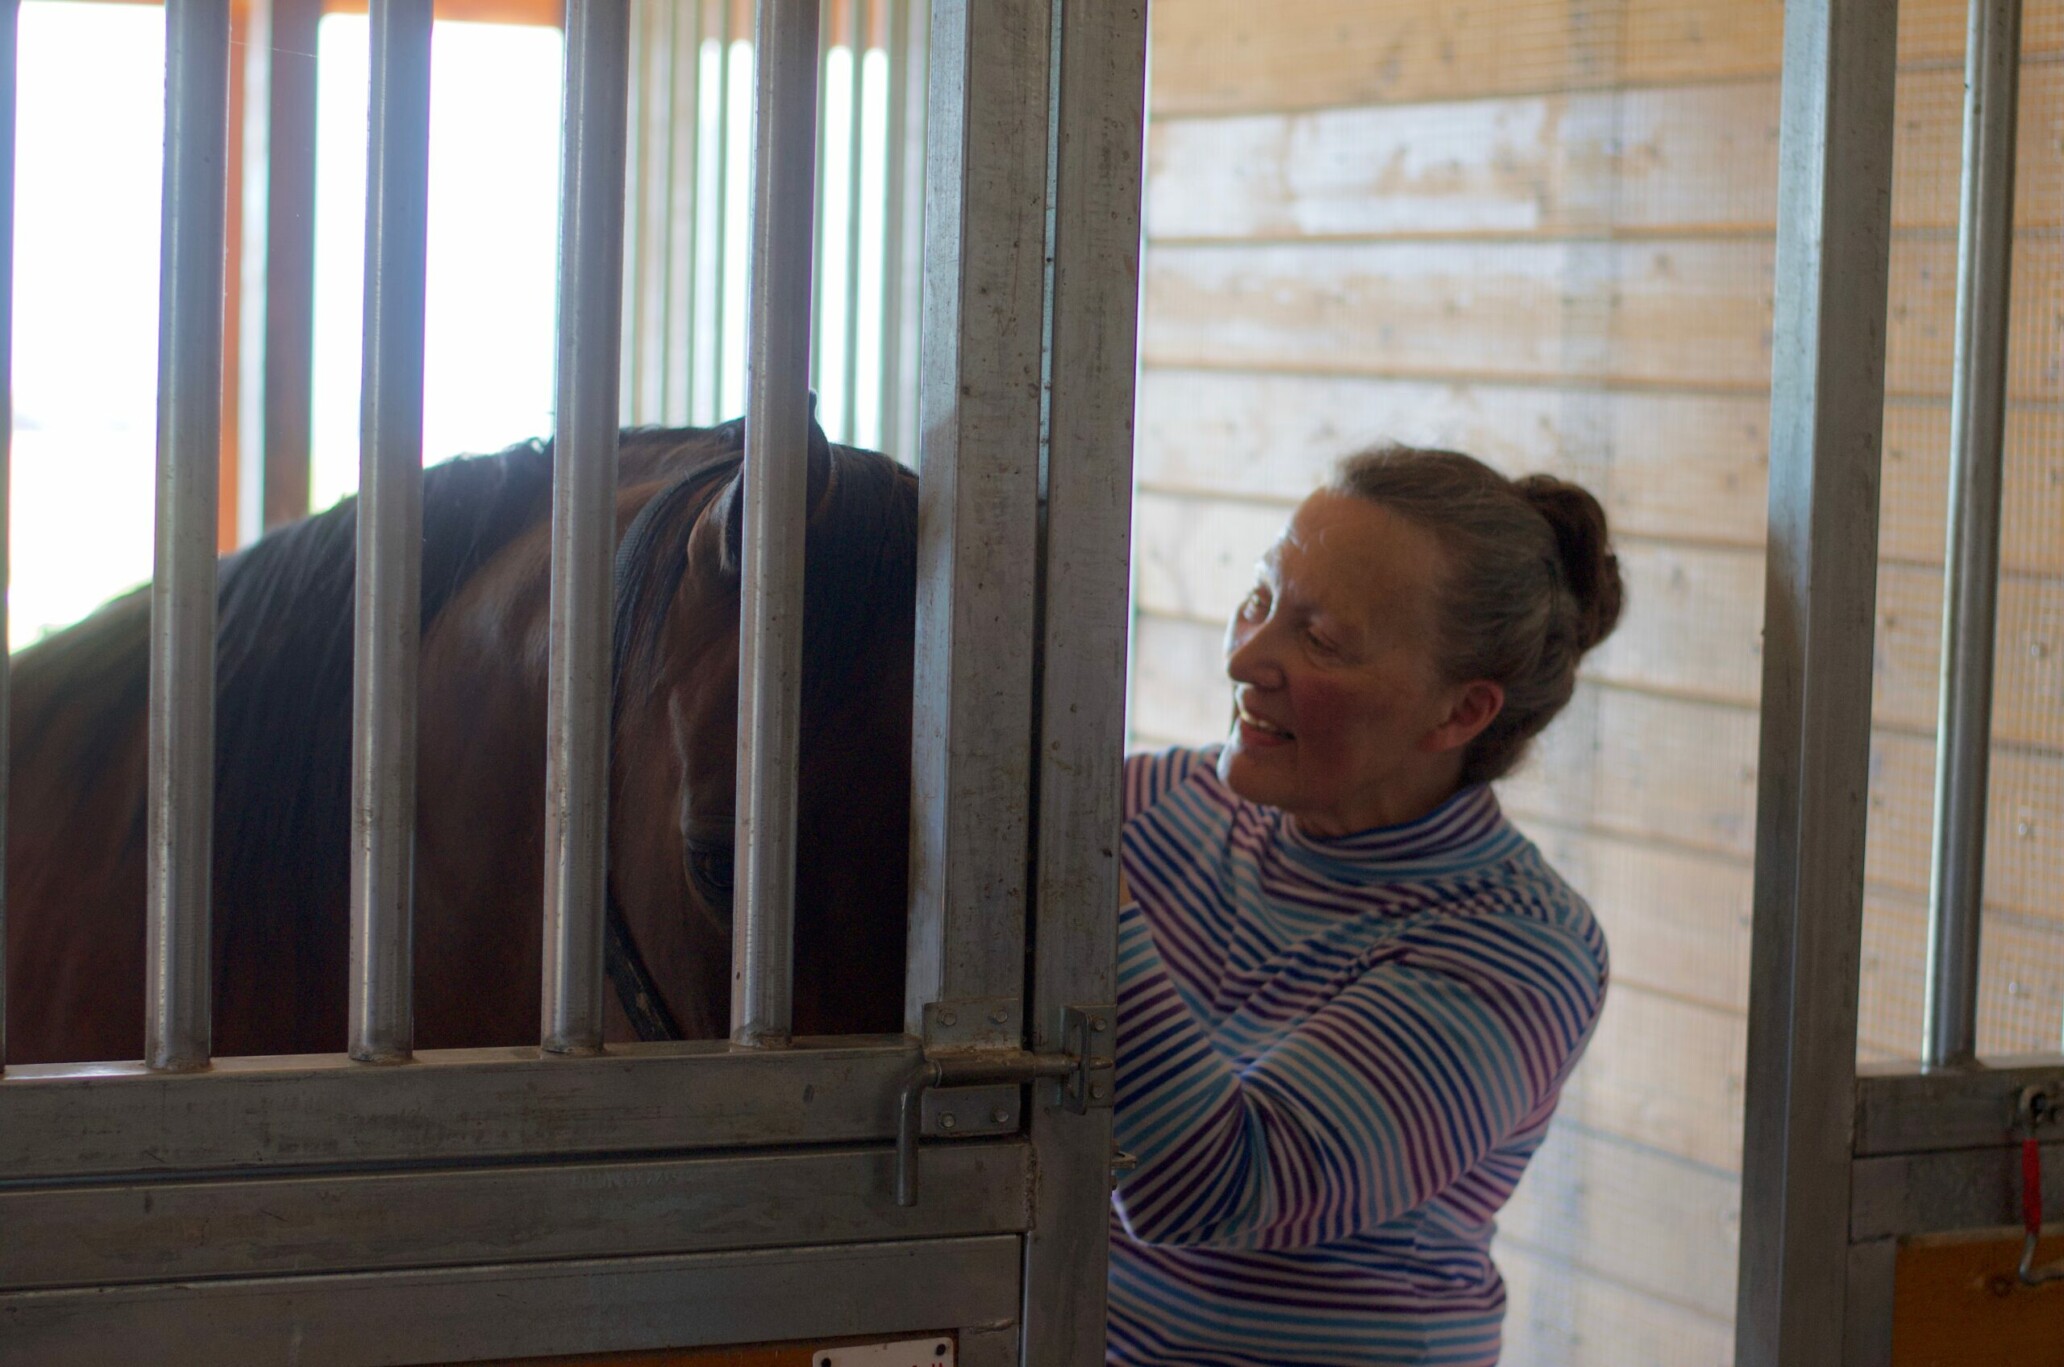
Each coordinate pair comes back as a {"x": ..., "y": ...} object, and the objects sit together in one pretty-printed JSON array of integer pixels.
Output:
[{"x": 1255, "y": 773}]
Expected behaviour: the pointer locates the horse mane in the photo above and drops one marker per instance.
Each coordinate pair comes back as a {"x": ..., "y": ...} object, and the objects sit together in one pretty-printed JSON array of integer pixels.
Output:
[{"x": 283, "y": 683}]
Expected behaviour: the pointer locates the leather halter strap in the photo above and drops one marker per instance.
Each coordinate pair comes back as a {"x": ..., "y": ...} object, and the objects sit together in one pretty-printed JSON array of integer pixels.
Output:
[{"x": 635, "y": 990}]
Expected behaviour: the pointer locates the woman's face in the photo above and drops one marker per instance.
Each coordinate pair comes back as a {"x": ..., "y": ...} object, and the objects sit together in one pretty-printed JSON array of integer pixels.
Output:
[{"x": 1343, "y": 719}]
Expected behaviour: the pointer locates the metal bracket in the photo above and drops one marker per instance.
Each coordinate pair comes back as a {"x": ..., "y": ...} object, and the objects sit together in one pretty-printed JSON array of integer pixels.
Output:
[
  {"x": 1085, "y": 1068},
  {"x": 971, "y": 1112},
  {"x": 1089, "y": 1035},
  {"x": 974, "y": 1023}
]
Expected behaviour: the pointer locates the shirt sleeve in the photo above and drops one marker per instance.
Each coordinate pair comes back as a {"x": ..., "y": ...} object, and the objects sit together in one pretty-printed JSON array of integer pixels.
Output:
[{"x": 1453, "y": 1041}]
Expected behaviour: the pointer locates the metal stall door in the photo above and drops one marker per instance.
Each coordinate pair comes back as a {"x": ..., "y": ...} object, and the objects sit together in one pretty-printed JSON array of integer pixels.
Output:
[
  {"x": 390, "y": 1205},
  {"x": 1840, "y": 1168}
]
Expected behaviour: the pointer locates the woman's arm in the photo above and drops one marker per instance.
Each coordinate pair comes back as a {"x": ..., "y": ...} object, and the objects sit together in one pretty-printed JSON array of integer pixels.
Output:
[{"x": 1404, "y": 1081}]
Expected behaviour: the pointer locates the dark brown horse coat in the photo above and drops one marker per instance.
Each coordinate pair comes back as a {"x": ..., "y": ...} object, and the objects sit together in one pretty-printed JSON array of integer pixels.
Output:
[{"x": 75, "y": 849}]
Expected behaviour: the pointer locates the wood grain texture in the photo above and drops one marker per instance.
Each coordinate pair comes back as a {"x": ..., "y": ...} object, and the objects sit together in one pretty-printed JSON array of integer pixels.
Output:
[
  {"x": 1227, "y": 56},
  {"x": 1680, "y": 467},
  {"x": 1666, "y": 1074},
  {"x": 1691, "y": 314},
  {"x": 1682, "y": 314},
  {"x": 1680, "y": 159},
  {"x": 1629, "y": 1215},
  {"x": 2021, "y": 967},
  {"x": 1558, "y": 1312}
]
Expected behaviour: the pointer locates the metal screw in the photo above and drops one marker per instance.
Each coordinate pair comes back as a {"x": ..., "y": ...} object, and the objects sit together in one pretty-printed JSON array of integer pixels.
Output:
[
  {"x": 947, "y": 1122},
  {"x": 1099, "y": 1024},
  {"x": 999, "y": 1015},
  {"x": 2024, "y": 829},
  {"x": 1099, "y": 1091},
  {"x": 1000, "y": 1116},
  {"x": 948, "y": 1018}
]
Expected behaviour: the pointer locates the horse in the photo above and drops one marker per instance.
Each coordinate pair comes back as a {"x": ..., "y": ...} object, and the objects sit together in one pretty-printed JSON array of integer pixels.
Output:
[{"x": 75, "y": 816}]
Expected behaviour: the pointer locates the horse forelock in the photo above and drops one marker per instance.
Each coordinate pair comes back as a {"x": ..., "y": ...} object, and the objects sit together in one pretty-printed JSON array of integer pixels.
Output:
[{"x": 861, "y": 561}]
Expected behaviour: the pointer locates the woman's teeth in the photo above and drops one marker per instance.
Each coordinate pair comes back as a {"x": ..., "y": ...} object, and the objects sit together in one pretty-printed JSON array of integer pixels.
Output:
[{"x": 1258, "y": 724}]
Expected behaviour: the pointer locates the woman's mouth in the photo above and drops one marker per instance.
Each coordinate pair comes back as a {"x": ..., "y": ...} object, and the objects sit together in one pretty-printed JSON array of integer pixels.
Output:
[{"x": 1259, "y": 731}]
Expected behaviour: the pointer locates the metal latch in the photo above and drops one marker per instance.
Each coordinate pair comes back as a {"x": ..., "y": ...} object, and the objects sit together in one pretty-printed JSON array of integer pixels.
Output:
[
  {"x": 2034, "y": 1110},
  {"x": 1084, "y": 1068}
]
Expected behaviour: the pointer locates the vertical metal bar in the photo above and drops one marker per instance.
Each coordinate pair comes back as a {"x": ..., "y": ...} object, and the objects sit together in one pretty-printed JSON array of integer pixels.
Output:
[
  {"x": 985, "y": 239},
  {"x": 591, "y": 193},
  {"x": 636, "y": 187},
  {"x": 1099, "y": 124},
  {"x": 890, "y": 342},
  {"x": 903, "y": 228},
  {"x": 849, "y": 390},
  {"x": 285, "y": 394},
  {"x": 726, "y": 10},
  {"x": 181, "y": 747},
  {"x": 1827, "y": 412},
  {"x": 10, "y": 11},
  {"x": 387, "y": 625},
  {"x": 1978, "y": 405},
  {"x": 827, "y": 21},
  {"x": 777, "y": 438},
  {"x": 684, "y": 137}
]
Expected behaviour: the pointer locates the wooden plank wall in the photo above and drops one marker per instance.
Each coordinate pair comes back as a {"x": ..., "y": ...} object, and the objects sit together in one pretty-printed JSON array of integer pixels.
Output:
[{"x": 1542, "y": 231}]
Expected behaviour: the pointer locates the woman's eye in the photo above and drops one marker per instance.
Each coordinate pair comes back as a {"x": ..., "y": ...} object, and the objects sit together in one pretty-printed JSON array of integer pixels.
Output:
[{"x": 1256, "y": 605}]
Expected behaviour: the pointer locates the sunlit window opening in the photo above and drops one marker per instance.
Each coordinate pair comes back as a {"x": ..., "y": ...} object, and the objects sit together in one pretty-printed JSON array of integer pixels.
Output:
[
  {"x": 494, "y": 185},
  {"x": 86, "y": 251},
  {"x": 86, "y": 307}
]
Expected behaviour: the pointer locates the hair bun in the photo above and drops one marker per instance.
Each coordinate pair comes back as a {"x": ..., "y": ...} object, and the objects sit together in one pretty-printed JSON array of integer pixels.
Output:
[{"x": 1588, "y": 562}]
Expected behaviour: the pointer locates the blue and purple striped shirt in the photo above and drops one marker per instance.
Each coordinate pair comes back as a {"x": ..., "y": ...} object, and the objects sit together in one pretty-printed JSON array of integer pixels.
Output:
[{"x": 1334, "y": 1059}]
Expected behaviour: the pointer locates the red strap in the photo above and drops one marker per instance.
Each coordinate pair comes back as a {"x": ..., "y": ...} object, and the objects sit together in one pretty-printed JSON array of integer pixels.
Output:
[{"x": 2031, "y": 1187}]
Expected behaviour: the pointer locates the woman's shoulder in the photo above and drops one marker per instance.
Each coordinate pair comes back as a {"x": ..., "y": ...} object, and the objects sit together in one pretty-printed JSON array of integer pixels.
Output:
[
  {"x": 1522, "y": 906},
  {"x": 1151, "y": 775}
]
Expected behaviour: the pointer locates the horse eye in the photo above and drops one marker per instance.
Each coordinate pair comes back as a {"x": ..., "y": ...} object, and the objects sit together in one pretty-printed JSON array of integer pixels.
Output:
[{"x": 711, "y": 866}]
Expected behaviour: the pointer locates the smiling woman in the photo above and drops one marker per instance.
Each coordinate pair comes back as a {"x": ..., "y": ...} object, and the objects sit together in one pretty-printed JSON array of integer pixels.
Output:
[{"x": 1350, "y": 990}]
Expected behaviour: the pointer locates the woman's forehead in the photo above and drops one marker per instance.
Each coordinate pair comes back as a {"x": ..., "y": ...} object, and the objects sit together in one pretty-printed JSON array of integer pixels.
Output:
[{"x": 1338, "y": 536}]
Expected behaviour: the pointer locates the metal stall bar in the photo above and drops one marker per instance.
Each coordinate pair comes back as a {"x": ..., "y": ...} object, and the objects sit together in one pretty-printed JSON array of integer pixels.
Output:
[
  {"x": 720, "y": 244},
  {"x": 387, "y": 623},
  {"x": 181, "y": 794},
  {"x": 903, "y": 206},
  {"x": 683, "y": 143},
  {"x": 1827, "y": 411},
  {"x": 1088, "y": 496},
  {"x": 777, "y": 440},
  {"x": 278, "y": 318},
  {"x": 10, "y": 11},
  {"x": 859, "y": 34},
  {"x": 985, "y": 238},
  {"x": 1978, "y": 404},
  {"x": 826, "y": 37},
  {"x": 591, "y": 192}
]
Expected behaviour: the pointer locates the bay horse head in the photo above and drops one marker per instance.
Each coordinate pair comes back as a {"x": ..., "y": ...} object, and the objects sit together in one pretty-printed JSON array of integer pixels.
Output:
[
  {"x": 75, "y": 848},
  {"x": 676, "y": 683}
]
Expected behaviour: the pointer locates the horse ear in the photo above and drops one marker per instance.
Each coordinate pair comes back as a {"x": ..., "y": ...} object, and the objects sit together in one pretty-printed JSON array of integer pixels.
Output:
[{"x": 728, "y": 508}]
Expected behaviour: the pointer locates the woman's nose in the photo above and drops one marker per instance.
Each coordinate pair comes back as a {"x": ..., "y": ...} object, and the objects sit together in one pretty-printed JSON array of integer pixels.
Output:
[{"x": 1251, "y": 655}]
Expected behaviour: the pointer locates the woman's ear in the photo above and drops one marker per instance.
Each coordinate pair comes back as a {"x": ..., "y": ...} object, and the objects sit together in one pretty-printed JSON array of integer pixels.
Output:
[{"x": 1471, "y": 707}]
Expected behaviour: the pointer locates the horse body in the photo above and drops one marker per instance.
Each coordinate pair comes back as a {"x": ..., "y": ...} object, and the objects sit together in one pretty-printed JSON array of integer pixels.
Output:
[{"x": 75, "y": 845}]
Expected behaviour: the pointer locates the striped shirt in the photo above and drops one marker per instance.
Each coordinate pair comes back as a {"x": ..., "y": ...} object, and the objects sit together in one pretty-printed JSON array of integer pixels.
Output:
[{"x": 1334, "y": 1059}]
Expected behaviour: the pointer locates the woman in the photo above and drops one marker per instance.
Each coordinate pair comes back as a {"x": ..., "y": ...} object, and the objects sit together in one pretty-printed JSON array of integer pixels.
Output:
[{"x": 1350, "y": 991}]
